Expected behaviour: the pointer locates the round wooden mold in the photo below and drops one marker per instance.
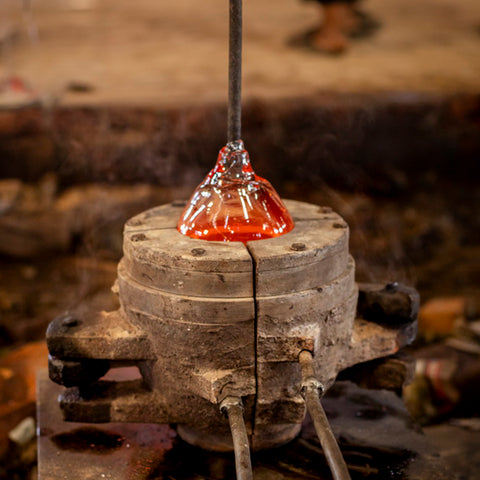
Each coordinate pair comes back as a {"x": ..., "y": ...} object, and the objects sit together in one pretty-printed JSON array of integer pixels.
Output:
[{"x": 228, "y": 317}]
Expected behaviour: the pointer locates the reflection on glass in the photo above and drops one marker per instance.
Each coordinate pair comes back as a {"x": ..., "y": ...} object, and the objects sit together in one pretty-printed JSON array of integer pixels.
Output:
[{"x": 234, "y": 204}]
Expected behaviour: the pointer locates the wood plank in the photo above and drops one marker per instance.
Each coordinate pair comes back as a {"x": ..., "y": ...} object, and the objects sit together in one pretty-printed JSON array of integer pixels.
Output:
[
  {"x": 288, "y": 312},
  {"x": 165, "y": 259},
  {"x": 313, "y": 254},
  {"x": 182, "y": 308}
]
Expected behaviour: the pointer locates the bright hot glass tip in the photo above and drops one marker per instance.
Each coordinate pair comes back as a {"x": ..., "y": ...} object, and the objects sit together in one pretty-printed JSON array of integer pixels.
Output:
[{"x": 233, "y": 204}]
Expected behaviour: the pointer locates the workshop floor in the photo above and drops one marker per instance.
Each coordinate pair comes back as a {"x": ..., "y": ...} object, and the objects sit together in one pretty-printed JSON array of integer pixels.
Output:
[{"x": 174, "y": 53}]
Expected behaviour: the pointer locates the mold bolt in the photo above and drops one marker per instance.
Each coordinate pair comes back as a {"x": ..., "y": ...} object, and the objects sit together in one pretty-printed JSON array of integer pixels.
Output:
[
  {"x": 198, "y": 252},
  {"x": 391, "y": 287},
  {"x": 70, "y": 321},
  {"x": 298, "y": 247},
  {"x": 134, "y": 222},
  {"x": 138, "y": 237}
]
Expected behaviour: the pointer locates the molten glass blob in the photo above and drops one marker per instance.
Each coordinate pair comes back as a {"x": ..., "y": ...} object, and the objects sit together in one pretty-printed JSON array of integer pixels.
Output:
[{"x": 233, "y": 204}]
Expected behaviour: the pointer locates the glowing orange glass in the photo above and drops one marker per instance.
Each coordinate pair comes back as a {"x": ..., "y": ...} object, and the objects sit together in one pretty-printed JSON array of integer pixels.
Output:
[{"x": 233, "y": 204}]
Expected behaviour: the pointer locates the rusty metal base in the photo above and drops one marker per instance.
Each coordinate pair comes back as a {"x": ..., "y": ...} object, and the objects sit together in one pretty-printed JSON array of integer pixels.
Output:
[{"x": 377, "y": 437}]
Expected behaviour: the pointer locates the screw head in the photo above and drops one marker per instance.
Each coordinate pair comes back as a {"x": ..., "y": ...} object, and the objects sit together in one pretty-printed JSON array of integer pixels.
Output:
[
  {"x": 138, "y": 237},
  {"x": 134, "y": 222},
  {"x": 198, "y": 252},
  {"x": 325, "y": 210},
  {"x": 70, "y": 321},
  {"x": 298, "y": 247},
  {"x": 391, "y": 287}
]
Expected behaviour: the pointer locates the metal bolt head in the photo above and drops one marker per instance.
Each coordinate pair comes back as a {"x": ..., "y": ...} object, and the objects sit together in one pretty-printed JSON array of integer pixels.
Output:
[
  {"x": 391, "y": 287},
  {"x": 134, "y": 222},
  {"x": 298, "y": 247},
  {"x": 325, "y": 210},
  {"x": 198, "y": 252},
  {"x": 70, "y": 321},
  {"x": 138, "y": 237}
]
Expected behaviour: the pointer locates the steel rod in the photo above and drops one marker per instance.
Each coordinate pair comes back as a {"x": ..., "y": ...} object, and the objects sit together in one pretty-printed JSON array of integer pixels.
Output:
[
  {"x": 234, "y": 126},
  {"x": 310, "y": 390},
  {"x": 233, "y": 408}
]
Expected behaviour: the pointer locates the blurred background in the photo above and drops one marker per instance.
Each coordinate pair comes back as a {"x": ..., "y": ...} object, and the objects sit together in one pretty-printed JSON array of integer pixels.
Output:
[{"x": 111, "y": 107}]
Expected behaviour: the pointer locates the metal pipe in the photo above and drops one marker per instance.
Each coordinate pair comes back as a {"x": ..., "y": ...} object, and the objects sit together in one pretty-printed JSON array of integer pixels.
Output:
[
  {"x": 234, "y": 124},
  {"x": 233, "y": 408},
  {"x": 311, "y": 388}
]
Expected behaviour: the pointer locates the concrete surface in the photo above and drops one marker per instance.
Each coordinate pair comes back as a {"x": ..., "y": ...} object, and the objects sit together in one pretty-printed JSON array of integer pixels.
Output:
[{"x": 174, "y": 53}]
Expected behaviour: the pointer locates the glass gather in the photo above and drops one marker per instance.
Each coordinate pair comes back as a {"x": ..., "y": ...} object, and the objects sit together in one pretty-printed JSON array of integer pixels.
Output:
[{"x": 233, "y": 204}]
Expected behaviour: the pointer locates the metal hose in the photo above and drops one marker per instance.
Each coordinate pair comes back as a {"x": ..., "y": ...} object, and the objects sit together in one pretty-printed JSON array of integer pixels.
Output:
[
  {"x": 311, "y": 388},
  {"x": 233, "y": 408}
]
